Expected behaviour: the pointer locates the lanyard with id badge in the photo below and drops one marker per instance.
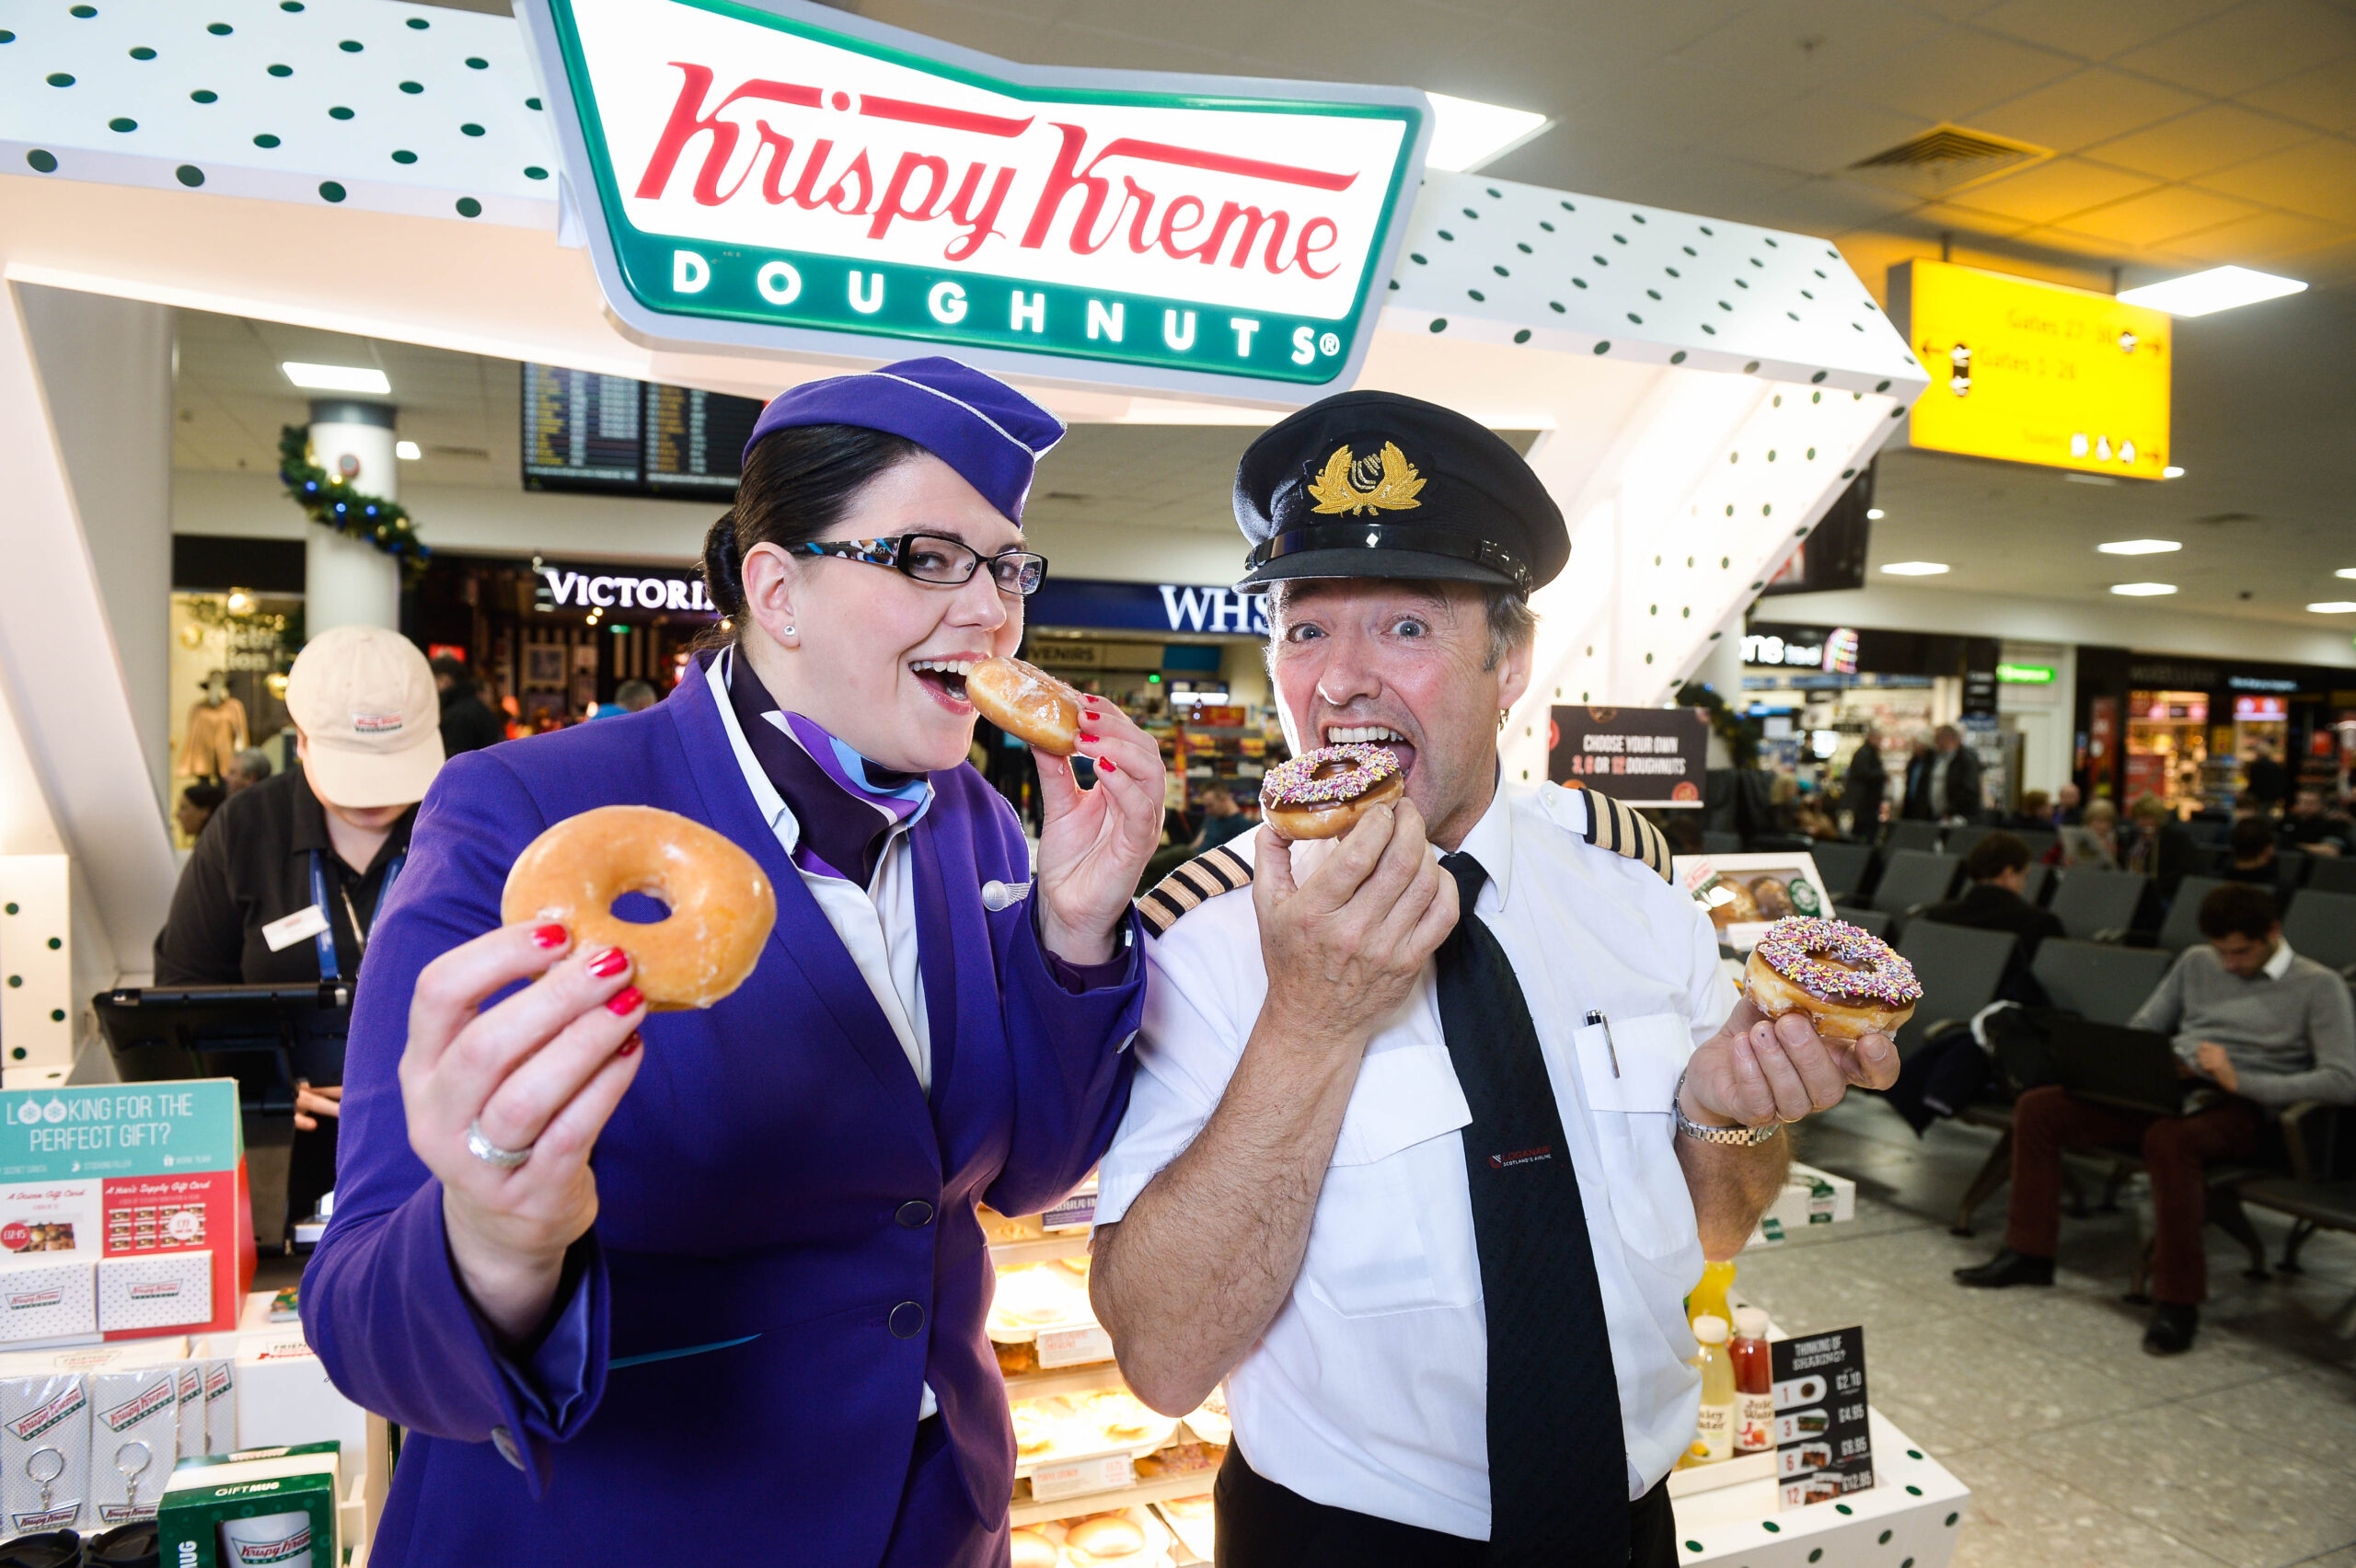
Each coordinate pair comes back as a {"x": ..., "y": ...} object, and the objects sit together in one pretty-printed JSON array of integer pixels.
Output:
[{"x": 313, "y": 922}]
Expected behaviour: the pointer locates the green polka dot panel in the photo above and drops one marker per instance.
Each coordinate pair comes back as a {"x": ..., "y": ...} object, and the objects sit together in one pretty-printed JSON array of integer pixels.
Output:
[{"x": 189, "y": 175}]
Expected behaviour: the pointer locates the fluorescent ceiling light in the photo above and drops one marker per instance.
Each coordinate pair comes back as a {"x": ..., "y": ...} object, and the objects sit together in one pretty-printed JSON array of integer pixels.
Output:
[
  {"x": 407, "y": 451},
  {"x": 1916, "y": 567},
  {"x": 2346, "y": 572},
  {"x": 336, "y": 378},
  {"x": 2220, "y": 288},
  {"x": 1467, "y": 134},
  {"x": 2139, "y": 547},
  {"x": 2142, "y": 590},
  {"x": 2334, "y": 607},
  {"x": 2171, "y": 472},
  {"x": 1874, "y": 514}
]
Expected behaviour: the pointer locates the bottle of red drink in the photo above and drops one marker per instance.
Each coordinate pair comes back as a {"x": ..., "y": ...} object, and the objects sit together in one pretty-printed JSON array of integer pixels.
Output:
[{"x": 1754, "y": 1382}]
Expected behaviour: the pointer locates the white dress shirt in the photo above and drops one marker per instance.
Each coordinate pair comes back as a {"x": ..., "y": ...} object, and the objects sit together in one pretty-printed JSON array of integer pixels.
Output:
[
  {"x": 877, "y": 923},
  {"x": 1368, "y": 1391}
]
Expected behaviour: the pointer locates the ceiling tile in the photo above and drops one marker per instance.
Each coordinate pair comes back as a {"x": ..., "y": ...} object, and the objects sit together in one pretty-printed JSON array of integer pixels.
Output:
[
  {"x": 2317, "y": 177},
  {"x": 2263, "y": 237},
  {"x": 2083, "y": 108},
  {"x": 1714, "y": 185},
  {"x": 2048, "y": 237},
  {"x": 1956, "y": 73},
  {"x": 2194, "y": 144},
  {"x": 1835, "y": 207},
  {"x": 2093, "y": 29},
  {"x": 1821, "y": 133},
  {"x": 1652, "y": 29},
  {"x": 2324, "y": 96},
  {"x": 1526, "y": 67},
  {"x": 1688, "y": 104},
  {"x": 2261, "y": 40},
  {"x": 1410, "y": 42},
  {"x": 1959, "y": 214},
  {"x": 2160, "y": 216},
  {"x": 1810, "y": 42},
  {"x": 2054, "y": 190}
]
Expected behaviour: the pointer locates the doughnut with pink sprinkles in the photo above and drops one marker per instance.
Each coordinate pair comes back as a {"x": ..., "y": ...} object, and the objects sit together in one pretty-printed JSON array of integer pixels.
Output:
[
  {"x": 1294, "y": 783},
  {"x": 1798, "y": 949}
]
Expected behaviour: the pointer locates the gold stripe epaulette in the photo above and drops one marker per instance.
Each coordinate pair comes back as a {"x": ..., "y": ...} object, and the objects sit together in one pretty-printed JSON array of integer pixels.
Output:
[
  {"x": 1610, "y": 826},
  {"x": 1206, "y": 876}
]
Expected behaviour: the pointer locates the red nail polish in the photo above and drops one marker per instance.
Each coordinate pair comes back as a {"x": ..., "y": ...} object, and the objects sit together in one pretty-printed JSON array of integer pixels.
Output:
[
  {"x": 1089, "y": 738},
  {"x": 608, "y": 964},
  {"x": 631, "y": 1045},
  {"x": 549, "y": 936},
  {"x": 1106, "y": 764},
  {"x": 624, "y": 1002}
]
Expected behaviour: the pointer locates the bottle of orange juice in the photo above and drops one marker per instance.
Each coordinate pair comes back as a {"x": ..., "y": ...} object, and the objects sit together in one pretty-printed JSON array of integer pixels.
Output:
[{"x": 1709, "y": 1298}]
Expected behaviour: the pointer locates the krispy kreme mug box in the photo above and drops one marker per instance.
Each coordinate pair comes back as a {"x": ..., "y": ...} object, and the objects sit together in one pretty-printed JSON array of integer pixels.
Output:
[
  {"x": 142, "y": 1185},
  {"x": 256, "y": 1508}
]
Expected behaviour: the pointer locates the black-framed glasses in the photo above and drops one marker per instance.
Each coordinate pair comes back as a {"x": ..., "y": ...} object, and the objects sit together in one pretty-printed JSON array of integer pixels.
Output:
[{"x": 938, "y": 559}]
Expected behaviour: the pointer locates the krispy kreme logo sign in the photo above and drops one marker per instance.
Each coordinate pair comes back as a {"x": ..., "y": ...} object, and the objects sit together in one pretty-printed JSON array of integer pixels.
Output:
[
  {"x": 765, "y": 173},
  {"x": 25, "y": 1300},
  {"x": 31, "y": 1425},
  {"x": 147, "y": 1402}
]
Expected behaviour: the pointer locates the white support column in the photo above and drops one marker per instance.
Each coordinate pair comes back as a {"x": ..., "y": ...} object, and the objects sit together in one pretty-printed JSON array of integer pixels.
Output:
[
  {"x": 347, "y": 581},
  {"x": 74, "y": 737}
]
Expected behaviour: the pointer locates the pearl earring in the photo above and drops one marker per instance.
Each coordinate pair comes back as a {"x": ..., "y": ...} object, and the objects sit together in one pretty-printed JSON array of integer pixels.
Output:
[{"x": 787, "y": 632}]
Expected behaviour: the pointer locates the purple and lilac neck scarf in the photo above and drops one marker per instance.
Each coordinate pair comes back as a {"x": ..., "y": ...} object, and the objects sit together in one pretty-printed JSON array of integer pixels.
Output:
[{"x": 846, "y": 805}]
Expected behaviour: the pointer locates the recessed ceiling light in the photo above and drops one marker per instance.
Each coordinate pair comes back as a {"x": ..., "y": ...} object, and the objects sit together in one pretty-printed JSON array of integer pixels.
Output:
[
  {"x": 1875, "y": 514},
  {"x": 1916, "y": 567},
  {"x": 407, "y": 451},
  {"x": 2220, "y": 288},
  {"x": 2346, "y": 572},
  {"x": 1467, "y": 134},
  {"x": 336, "y": 378},
  {"x": 2171, "y": 472},
  {"x": 2334, "y": 607},
  {"x": 2142, "y": 590},
  {"x": 2140, "y": 546}
]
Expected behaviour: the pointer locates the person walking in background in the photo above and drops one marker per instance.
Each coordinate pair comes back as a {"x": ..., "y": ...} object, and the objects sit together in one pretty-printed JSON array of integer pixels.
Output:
[
  {"x": 247, "y": 769},
  {"x": 2266, "y": 783},
  {"x": 468, "y": 723},
  {"x": 198, "y": 802},
  {"x": 2263, "y": 1027},
  {"x": 1943, "y": 782},
  {"x": 1864, "y": 789}
]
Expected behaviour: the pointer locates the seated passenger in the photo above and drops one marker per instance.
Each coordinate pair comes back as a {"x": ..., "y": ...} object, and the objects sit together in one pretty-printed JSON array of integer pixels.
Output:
[
  {"x": 2263, "y": 1027},
  {"x": 2253, "y": 858}
]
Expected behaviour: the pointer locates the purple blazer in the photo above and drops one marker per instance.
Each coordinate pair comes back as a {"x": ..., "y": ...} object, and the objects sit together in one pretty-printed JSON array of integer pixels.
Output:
[{"x": 786, "y": 1247}]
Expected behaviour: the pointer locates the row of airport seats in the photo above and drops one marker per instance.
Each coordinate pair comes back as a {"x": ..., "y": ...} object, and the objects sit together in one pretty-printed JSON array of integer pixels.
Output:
[
  {"x": 2311, "y": 1179},
  {"x": 2326, "y": 874}
]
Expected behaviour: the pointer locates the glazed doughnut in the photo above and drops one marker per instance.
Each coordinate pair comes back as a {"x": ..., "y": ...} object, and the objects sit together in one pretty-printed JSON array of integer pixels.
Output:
[
  {"x": 1106, "y": 1536},
  {"x": 1322, "y": 793},
  {"x": 1031, "y": 1550},
  {"x": 1027, "y": 703},
  {"x": 1850, "y": 982},
  {"x": 721, "y": 905}
]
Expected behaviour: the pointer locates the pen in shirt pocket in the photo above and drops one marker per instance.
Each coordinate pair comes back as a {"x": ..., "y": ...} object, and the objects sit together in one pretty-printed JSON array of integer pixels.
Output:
[{"x": 1594, "y": 1017}]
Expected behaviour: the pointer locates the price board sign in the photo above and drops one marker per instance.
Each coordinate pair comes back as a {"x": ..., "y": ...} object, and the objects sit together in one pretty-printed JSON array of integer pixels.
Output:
[{"x": 1823, "y": 1442}]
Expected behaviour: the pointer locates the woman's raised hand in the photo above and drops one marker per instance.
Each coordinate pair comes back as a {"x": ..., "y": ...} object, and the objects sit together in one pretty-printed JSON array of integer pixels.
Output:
[
  {"x": 1096, "y": 841},
  {"x": 540, "y": 1073}
]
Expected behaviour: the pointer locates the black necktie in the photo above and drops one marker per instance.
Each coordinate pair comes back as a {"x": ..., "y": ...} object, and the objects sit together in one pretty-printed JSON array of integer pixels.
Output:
[{"x": 1558, "y": 1466}]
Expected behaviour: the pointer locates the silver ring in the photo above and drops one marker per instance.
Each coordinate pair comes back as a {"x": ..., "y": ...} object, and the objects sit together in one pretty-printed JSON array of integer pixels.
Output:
[{"x": 489, "y": 1153}]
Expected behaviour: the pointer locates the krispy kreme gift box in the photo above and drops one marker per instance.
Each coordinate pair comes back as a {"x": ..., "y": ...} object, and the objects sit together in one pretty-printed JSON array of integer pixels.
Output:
[{"x": 256, "y": 1508}]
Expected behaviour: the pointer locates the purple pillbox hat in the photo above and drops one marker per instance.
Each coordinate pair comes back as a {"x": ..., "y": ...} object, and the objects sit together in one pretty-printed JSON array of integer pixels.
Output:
[{"x": 990, "y": 433}]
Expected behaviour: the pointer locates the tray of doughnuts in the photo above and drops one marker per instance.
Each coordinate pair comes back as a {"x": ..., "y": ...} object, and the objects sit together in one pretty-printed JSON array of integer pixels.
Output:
[
  {"x": 1032, "y": 1298},
  {"x": 1125, "y": 1538},
  {"x": 1192, "y": 1521},
  {"x": 1064, "y": 1427}
]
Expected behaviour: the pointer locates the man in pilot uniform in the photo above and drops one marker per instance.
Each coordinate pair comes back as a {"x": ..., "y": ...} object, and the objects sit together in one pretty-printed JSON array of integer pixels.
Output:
[{"x": 1427, "y": 1147}]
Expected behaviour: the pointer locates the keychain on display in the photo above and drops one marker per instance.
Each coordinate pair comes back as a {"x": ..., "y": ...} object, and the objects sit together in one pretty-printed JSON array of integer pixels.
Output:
[
  {"x": 130, "y": 1474},
  {"x": 46, "y": 1481}
]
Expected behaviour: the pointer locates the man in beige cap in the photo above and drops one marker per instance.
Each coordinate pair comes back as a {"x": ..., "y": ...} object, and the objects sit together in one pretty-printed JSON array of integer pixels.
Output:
[{"x": 283, "y": 886}]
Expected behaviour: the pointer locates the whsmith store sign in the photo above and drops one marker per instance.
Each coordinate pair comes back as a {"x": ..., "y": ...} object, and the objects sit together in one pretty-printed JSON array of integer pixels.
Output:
[{"x": 788, "y": 177}]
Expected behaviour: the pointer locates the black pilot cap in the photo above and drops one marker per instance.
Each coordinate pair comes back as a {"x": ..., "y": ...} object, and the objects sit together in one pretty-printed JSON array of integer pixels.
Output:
[{"x": 1372, "y": 484}]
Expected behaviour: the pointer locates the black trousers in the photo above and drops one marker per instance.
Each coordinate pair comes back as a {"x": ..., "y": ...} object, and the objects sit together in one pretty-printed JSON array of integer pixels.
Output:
[{"x": 1262, "y": 1524}]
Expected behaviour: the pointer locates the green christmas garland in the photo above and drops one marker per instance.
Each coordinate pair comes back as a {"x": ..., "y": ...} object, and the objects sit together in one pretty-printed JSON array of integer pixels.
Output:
[{"x": 328, "y": 499}]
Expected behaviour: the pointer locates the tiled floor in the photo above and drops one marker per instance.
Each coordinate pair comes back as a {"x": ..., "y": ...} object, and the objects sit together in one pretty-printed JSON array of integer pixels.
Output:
[{"x": 2079, "y": 1448}]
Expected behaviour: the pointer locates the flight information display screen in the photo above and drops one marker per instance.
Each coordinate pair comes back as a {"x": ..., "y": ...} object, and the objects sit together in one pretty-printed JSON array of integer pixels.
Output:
[{"x": 609, "y": 434}]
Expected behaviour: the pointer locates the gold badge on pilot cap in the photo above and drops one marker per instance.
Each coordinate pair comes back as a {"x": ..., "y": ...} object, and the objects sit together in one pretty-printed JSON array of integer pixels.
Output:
[{"x": 1383, "y": 481}]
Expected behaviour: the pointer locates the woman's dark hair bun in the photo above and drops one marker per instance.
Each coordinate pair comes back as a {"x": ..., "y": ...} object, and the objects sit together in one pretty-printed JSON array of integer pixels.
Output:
[{"x": 723, "y": 567}]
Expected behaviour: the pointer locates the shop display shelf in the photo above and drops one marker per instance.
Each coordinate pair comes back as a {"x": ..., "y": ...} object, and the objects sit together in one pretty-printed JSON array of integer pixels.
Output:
[
  {"x": 1085, "y": 1380},
  {"x": 1038, "y": 1249},
  {"x": 1151, "y": 1489},
  {"x": 1913, "y": 1511}
]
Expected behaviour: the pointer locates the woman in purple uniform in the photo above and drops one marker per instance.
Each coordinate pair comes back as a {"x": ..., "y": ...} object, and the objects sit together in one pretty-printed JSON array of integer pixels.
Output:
[{"x": 721, "y": 1299}]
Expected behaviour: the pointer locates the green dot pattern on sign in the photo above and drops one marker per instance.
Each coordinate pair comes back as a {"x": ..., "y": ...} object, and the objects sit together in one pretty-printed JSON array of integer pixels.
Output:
[
  {"x": 220, "y": 29},
  {"x": 533, "y": 104},
  {"x": 121, "y": 124},
  {"x": 204, "y": 95},
  {"x": 189, "y": 175},
  {"x": 1439, "y": 323},
  {"x": 340, "y": 112},
  {"x": 15, "y": 981},
  {"x": 1837, "y": 1507},
  {"x": 57, "y": 1015},
  {"x": 1522, "y": 336},
  {"x": 477, "y": 63},
  {"x": 1913, "y": 1452},
  {"x": 420, "y": 23},
  {"x": 469, "y": 208},
  {"x": 12, "y": 907},
  {"x": 330, "y": 192},
  {"x": 59, "y": 79},
  {"x": 265, "y": 139},
  {"x": 1693, "y": 1546},
  {"x": 1952, "y": 1518},
  {"x": 403, "y": 155},
  {"x": 471, "y": 128},
  {"x": 349, "y": 46},
  {"x": 534, "y": 172},
  {"x": 17, "y": 1053},
  {"x": 1885, "y": 1537},
  {"x": 1817, "y": 1555},
  {"x": 84, "y": 12},
  {"x": 1913, "y": 1490},
  {"x": 1770, "y": 1525},
  {"x": 412, "y": 87},
  {"x": 55, "y": 943},
  {"x": 142, "y": 52}
]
